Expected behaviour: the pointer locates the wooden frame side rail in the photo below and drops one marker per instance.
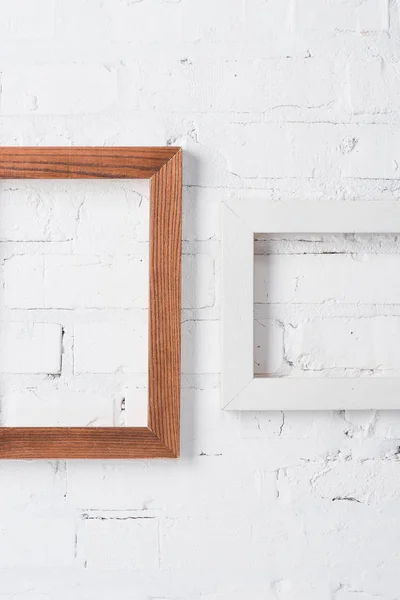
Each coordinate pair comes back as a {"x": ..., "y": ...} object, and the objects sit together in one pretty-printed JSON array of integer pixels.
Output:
[{"x": 163, "y": 166}]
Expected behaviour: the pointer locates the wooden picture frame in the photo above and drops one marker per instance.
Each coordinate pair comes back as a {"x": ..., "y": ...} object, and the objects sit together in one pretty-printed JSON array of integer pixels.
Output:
[
  {"x": 241, "y": 389},
  {"x": 163, "y": 166}
]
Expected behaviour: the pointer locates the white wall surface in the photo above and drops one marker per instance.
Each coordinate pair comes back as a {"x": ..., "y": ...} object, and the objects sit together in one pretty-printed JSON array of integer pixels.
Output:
[{"x": 290, "y": 99}]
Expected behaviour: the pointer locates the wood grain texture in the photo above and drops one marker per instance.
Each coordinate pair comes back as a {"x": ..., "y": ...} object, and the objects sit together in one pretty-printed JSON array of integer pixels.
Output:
[
  {"x": 83, "y": 163},
  {"x": 81, "y": 442},
  {"x": 165, "y": 307},
  {"x": 161, "y": 438}
]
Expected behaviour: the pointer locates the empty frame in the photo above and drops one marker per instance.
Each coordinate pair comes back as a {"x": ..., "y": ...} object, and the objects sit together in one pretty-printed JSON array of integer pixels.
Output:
[
  {"x": 163, "y": 167},
  {"x": 241, "y": 390}
]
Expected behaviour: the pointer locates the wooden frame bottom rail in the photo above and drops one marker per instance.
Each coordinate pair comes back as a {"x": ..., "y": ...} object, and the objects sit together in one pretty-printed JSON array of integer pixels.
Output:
[{"x": 81, "y": 442}]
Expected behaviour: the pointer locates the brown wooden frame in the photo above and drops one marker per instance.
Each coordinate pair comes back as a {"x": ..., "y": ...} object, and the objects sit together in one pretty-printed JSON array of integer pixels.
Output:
[{"x": 163, "y": 166}]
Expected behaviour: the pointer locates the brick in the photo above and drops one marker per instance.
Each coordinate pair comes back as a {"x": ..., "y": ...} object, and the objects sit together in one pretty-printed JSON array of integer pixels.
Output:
[
  {"x": 229, "y": 86},
  {"x": 350, "y": 15},
  {"x": 269, "y": 150},
  {"x": 198, "y": 281},
  {"x": 210, "y": 437},
  {"x": 107, "y": 490},
  {"x": 200, "y": 214},
  {"x": 132, "y": 487},
  {"x": 22, "y": 20},
  {"x": 36, "y": 211},
  {"x": 373, "y": 16},
  {"x": 47, "y": 406},
  {"x": 31, "y": 540},
  {"x": 127, "y": 21},
  {"x": 387, "y": 425},
  {"x": 108, "y": 347},
  {"x": 200, "y": 347},
  {"x": 208, "y": 21},
  {"x": 182, "y": 548},
  {"x": 113, "y": 218},
  {"x": 64, "y": 89},
  {"x": 374, "y": 153},
  {"x": 76, "y": 282},
  {"x": 30, "y": 348},
  {"x": 368, "y": 482},
  {"x": 294, "y": 278},
  {"x": 132, "y": 21},
  {"x": 268, "y": 346},
  {"x": 40, "y": 487},
  {"x": 93, "y": 283},
  {"x": 345, "y": 343},
  {"x": 24, "y": 282},
  {"x": 374, "y": 86},
  {"x": 301, "y": 83},
  {"x": 136, "y": 401},
  {"x": 354, "y": 595},
  {"x": 266, "y": 19},
  {"x": 126, "y": 541}
]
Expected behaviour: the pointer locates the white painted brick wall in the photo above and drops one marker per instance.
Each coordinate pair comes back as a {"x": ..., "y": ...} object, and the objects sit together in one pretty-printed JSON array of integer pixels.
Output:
[
  {"x": 50, "y": 404},
  {"x": 107, "y": 347},
  {"x": 75, "y": 281},
  {"x": 371, "y": 15},
  {"x": 31, "y": 211},
  {"x": 31, "y": 540},
  {"x": 345, "y": 343},
  {"x": 58, "y": 90},
  {"x": 287, "y": 99},
  {"x": 22, "y": 20},
  {"x": 126, "y": 540},
  {"x": 317, "y": 278},
  {"x": 30, "y": 348}
]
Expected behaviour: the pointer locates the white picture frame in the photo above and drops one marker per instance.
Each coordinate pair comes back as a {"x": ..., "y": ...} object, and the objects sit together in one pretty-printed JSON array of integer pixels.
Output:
[{"x": 241, "y": 389}]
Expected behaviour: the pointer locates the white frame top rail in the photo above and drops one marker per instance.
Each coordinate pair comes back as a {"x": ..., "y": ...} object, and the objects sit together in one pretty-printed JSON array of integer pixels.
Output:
[{"x": 241, "y": 390}]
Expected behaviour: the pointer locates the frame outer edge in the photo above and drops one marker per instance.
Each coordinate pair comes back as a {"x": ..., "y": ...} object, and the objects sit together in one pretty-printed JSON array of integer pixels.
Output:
[
  {"x": 237, "y": 308},
  {"x": 262, "y": 393},
  {"x": 162, "y": 439}
]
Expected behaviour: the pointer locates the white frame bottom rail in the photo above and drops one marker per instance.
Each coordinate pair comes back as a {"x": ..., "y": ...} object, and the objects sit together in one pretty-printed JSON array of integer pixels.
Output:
[{"x": 241, "y": 390}]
